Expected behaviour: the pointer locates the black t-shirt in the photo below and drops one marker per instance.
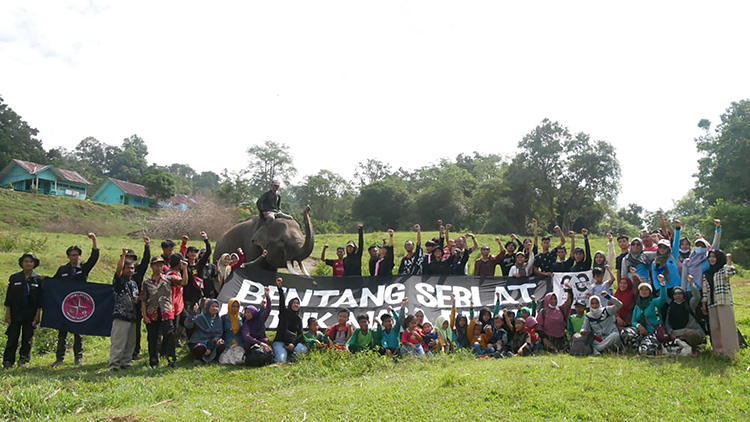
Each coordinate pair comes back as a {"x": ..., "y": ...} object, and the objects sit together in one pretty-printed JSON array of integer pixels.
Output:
[
  {"x": 544, "y": 261},
  {"x": 618, "y": 260}
]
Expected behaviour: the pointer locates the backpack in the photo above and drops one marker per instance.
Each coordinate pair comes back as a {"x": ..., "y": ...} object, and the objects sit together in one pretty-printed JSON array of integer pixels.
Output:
[
  {"x": 256, "y": 357},
  {"x": 580, "y": 345}
]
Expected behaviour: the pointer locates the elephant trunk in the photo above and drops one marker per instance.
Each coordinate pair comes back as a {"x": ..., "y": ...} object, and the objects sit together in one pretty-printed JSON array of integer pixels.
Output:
[{"x": 307, "y": 248}]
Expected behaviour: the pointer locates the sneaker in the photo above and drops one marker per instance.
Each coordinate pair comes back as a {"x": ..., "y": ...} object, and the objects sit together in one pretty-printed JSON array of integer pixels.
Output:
[
  {"x": 596, "y": 352},
  {"x": 154, "y": 366},
  {"x": 7, "y": 365},
  {"x": 114, "y": 369},
  {"x": 57, "y": 363},
  {"x": 173, "y": 364},
  {"x": 22, "y": 364},
  {"x": 497, "y": 355},
  {"x": 79, "y": 361}
]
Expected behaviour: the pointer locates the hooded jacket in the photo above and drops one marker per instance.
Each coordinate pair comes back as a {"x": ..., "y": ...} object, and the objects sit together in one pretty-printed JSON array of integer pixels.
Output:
[
  {"x": 289, "y": 329},
  {"x": 353, "y": 261},
  {"x": 602, "y": 323}
]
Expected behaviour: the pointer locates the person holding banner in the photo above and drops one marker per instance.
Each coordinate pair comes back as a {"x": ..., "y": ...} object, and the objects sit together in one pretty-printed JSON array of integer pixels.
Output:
[
  {"x": 384, "y": 264},
  {"x": 23, "y": 306},
  {"x": 411, "y": 264},
  {"x": 600, "y": 321},
  {"x": 74, "y": 270},
  {"x": 124, "y": 316}
]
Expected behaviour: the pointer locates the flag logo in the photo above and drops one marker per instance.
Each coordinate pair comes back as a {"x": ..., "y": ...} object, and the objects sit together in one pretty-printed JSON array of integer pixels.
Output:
[{"x": 78, "y": 306}]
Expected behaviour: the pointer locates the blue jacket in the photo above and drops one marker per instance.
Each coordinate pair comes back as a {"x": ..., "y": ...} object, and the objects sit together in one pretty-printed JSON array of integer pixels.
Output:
[
  {"x": 673, "y": 279},
  {"x": 229, "y": 336},
  {"x": 652, "y": 312}
]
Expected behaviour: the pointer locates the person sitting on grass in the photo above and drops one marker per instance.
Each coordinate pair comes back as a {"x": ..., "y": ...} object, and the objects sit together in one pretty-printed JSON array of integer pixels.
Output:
[
  {"x": 124, "y": 317},
  {"x": 479, "y": 338},
  {"x": 340, "y": 333},
  {"x": 575, "y": 321},
  {"x": 646, "y": 316},
  {"x": 388, "y": 333},
  {"x": 552, "y": 321},
  {"x": 75, "y": 270},
  {"x": 363, "y": 337},
  {"x": 23, "y": 306},
  {"x": 429, "y": 338},
  {"x": 336, "y": 264},
  {"x": 207, "y": 342},
  {"x": 289, "y": 329},
  {"x": 680, "y": 321},
  {"x": 499, "y": 339},
  {"x": 258, "y": 351},
  {"x": 314, "y": 339},
  {"x": 521, "y": 344},
  {"x": 232, "y": 324},
  {"x": 411, "y": 339},
  {"x": 600, "y": 321}
]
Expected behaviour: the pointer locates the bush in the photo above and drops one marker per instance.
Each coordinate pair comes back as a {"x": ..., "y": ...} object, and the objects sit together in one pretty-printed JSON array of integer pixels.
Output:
[
  {"x": 208, "y": 215},
  {"x": 15, "y": 242}
]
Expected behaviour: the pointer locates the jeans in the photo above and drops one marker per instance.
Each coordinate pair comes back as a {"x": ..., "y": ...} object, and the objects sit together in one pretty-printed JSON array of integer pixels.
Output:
[
  {"x": 479, "y": 351},
  {"x": 280, "y": 353},
  {"x": 419, "y": 351}
]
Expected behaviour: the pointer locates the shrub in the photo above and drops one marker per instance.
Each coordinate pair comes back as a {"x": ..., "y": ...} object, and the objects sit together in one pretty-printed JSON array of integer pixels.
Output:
[{"x": 207, "y": 214}]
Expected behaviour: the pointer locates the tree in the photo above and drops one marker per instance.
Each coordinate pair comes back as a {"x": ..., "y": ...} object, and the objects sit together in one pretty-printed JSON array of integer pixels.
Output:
[
  {"x": 160, "y": 185},
  {"x": 371, "y": 171},
  {"x": 632, "y": 214},
  {"x": 129, "y": 161},
  {"x": 236, "y": 189},
  {"x": 382, "y": 204},
  {"x": 92, "y": 153},
  {"x": 207, "y": 180},
  {"x": 569, "y": 174},
  {"x": 325, "y": 192},
  {"x": 482, "y": 167},
  {"x": 269, "y": 162},
  {"x": 722, "y": 170},
  {"x": 17, "y": 139},
  {"x": 443, "y": 192}
]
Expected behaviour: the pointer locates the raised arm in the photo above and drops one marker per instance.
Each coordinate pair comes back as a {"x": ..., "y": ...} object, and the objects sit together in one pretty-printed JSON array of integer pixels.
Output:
[
  {"x": 206, "y": 256},
  {"x": 361, "y": 240},
  {"x": 418, "y": 228},
  {"x": 536, "y": 232},
  {"x": 717, "y": 235},
  {"x": 183, "y": 245},
  {"x": 474, "y": 239},
  {"x": 676, "y": 240},
  {"x": 323, "y": 253},
  {"x": 121, "y": 262},
  {"x": 390, "y": 238},
  {"x": 93, "y": 258},
  {"x": 589, "y": 259},
  {"x": 146, "y": 260},
  {"x": 572, "y": 235},
  {"x": 559, "y": 231},
  {"x": 611, "y": 257}
]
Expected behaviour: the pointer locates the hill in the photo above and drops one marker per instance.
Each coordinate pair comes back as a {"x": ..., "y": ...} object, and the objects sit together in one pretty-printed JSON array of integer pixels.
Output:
[{"x": 26, "y": 211}]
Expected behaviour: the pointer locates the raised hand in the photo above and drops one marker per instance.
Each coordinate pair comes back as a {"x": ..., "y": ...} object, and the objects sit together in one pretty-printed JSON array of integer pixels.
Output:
[
  {"x": 557, "y": 229},
  {"x": 325, "y": 246},
  {"x": 307, "y": 209},
  {"x": 717, "y": 222},
  {"x": 390, "y": 232},
  {"x": 195, "y": 308},
  {"x": 125, "y": 251},
  {"x": 440, "y": 222},
  {"x": 267, "y": 291},
  {"x": 185, "y": 238},
  {"x": 279, "y": 281},
  {"x": 534, "y": 222},
  {"x": 661, "y": 280},
  {"x": 265, "y": 253},
  {"x": 183, "y": 265},
  {"x": 91, "y": 236},
  {"x": 585, "y": 232},
  {"x": 572, "y": 233},
  {"x": 403, "y": 301},
  {"x": 632, "y": 270},
  {"x": 147, "y": 240},
  {"x": 453, "y": 298},
  {"x": 359, "y": 226},
  {"x": 204, "y": 236},
  {"x": 417, "y": 227},
  {"x": 609, "y": 237},
  {"x": 677, "y": 224}
]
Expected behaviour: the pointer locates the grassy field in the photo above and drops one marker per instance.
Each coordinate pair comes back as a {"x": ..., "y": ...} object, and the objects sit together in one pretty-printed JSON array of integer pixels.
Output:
[{"x": 363, "y": 387}]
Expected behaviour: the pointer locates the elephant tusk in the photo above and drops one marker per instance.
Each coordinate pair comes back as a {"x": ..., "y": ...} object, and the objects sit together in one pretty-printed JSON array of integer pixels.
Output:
[
  {"x": 290, "y": 267},
  {"x": 304, "y": 271}
]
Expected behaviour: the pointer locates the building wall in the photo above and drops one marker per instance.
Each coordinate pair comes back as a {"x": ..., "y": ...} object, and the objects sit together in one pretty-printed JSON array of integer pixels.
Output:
[
  {"x": 23, "y": 181},
  {"x": 138, "y": 201},
  {"x": 109, "y": 193}
]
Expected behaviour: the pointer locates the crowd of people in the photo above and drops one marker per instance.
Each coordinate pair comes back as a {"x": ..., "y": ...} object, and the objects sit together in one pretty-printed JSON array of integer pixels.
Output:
[{"x": 667, "y": 294}]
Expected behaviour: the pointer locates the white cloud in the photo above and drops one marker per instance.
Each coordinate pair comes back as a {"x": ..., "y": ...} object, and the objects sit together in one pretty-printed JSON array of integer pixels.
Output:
[{"x": 404, "y": 82}]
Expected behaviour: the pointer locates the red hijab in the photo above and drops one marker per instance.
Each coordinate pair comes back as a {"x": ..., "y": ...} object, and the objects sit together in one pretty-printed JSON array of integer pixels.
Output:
[{"x": 627, "y": 297}]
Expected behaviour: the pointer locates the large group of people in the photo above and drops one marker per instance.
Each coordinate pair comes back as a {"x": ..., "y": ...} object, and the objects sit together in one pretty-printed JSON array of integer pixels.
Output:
[{"x": 665, "y": 295}]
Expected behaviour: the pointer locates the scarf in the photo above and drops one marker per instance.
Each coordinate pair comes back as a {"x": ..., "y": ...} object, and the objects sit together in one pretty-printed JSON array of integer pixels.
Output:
[
  {"x": 483, "y": 312},
  {"x": 721, "y": 261},
  {"x": 595, "y": 265},
  {"x": 234, "y": 317},
  {"x": 678, "y": 313},
  {"x": 447, "y": 334},
  {"x": 255, "y": 326},
  {"x": 595, "y": 313},
  {"x": 461, "y": 332},
  {"x": 633, "y": 258},
  {"x": 627, "y": 297}
]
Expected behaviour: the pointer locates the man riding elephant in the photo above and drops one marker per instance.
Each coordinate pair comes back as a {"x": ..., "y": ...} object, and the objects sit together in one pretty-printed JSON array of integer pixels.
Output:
[{"x": 269, "y": 204}]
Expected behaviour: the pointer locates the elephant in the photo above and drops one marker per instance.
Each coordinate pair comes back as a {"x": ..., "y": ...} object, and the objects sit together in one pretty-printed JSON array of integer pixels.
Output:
[{"x": 282, "y": 238}]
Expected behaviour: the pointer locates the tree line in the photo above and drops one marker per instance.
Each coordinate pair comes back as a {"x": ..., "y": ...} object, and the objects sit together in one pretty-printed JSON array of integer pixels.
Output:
[{"x": 555, "y": 175}]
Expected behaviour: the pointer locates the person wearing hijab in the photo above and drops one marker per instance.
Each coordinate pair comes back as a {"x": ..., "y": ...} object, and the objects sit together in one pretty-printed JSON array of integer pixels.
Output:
[
  {"x": 718, "y": 301},
  {"x": 223, "y": 270},
  {"x": 289, "y": 330},
  {"x": 697, "y": 263},
  {"x": 639, "y": 260},
  {"x": 646, "y": 314},
  {"x": 679, "y": 320},
  {"x": 552, "y": 321},
  {"x": 232, "y": 324},
  {"x": 206, "y": 343},
  {"x": 600, "y": 321},
  {"x": 254, "y": 337},
  {"x": 627, "y": 293},
  {"x": 664, "y": 263}
]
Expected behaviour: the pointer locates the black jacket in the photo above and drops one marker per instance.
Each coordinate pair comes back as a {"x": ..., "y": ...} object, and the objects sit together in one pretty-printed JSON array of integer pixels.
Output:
[
  {"x": 69, "y": 273},
  {"x": 269, "y": 201},
  {"x": 353, "y": 262},
  {"x": 584, "y": 265},
  {"x": 437, "y": 267},
  {"x": 289, "y": 329},
  {"x": 24, "y": 296},
  {"x": 386, "y": 265},
  {"x": 192, "y": 292},
  {"x": 142, "y": 268}
]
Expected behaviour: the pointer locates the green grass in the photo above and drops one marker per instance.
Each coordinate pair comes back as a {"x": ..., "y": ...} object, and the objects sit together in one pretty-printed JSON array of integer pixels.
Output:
[
  {"x": 335, "y": 386},
  {"x": 21, "y": 211}
]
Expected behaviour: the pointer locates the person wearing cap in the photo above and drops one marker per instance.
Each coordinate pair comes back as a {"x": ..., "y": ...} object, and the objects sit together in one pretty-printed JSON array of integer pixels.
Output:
[
  {"x": 575, "y": 321},
  {"x": 411, "y": 264},
  {"x": 583, "y": 258},
  {"x": 269, "y": 203},
  {"x": 194, "y": 285},
  {"x": 156, "y": 300},
  {"x": 353, "y": 258},
  {"x": 336, "y": 264},
  {"x": 665, "y": 264},
  {"x": 124, "y": 322},
  {"x": 384, "y": 264},
  {"x": 74, "y": 270},
  {"x": 523, "y": 268},
  {"x": 23, "y": 306},
  {"x": 138, "y": 275}
]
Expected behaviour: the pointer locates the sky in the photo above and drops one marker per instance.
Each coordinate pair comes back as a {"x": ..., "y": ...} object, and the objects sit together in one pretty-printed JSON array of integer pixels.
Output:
[{"x": 404, "y": 82}]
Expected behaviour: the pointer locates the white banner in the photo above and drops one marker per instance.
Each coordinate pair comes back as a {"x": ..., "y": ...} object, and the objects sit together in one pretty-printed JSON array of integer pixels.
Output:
[{"x": 581, "y": 283}]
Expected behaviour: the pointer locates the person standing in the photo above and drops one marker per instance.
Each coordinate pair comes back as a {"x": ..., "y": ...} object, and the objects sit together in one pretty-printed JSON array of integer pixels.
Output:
[
  {"x": 74, "y": 270},
  {"x": 353, "y": 258},
  {"x": 124, "y": 322},
  {"x": 23, "y": 305},
  {"x": 138, "y": 276}
]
